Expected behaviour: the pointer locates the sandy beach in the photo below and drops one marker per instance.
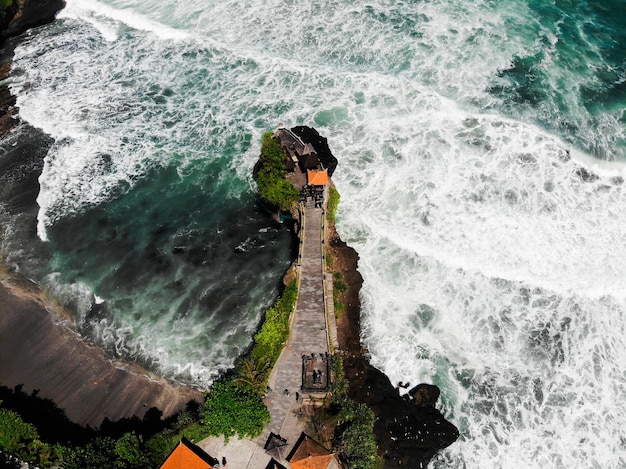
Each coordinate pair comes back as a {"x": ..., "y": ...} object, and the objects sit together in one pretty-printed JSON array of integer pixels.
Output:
[{"x": 40, "y": 351}]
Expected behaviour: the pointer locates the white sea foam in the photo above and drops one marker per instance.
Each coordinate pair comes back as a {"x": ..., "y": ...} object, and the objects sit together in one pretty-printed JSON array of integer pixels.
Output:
[
  {"x": 492, "y": 264},
  {"x": 106, "y": 19}
]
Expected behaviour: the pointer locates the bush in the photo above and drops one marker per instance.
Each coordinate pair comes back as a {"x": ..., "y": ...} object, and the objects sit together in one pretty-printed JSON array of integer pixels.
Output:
[
  {"x": 4, "y": 5},
  {"x": 21, "y": 440},
  {"x": 340, "y": 286},
  {"x": 356, "y": 442},
  {"x": 129, "y": 449},
  {"x": 229, "y": 411},
  {"x": 269, "y": 341},
  {"x": 354, "y": 438},
  {"x": 159, "y": 446}
]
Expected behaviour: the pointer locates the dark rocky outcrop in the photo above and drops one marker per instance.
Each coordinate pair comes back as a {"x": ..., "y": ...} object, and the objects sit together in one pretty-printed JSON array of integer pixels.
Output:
[
  {"x": 25, "y": 14},
  {"x": 310, "y": 135},
  {"x": 20, "y": 16},
  {"x": 409, "y": 430}
]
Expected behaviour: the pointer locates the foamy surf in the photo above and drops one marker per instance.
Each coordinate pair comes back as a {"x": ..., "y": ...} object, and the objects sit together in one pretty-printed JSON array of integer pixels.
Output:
[{"x": 481, "y": 153}]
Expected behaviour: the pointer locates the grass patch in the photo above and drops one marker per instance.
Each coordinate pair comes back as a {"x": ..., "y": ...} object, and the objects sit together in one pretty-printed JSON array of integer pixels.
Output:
[
  {"x": 333, "y": 204},
  {"x": 340, "y": 286},
  {"x": 328, "y": 257}
]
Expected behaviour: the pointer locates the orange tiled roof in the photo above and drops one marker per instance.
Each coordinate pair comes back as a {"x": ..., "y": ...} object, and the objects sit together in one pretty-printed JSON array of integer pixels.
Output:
[
  {"x": 305, "y": 447},
  {"x": 187, "y": 456},
  {"x": 317, "y": 178},
  {"x": 314, "y": 462}
]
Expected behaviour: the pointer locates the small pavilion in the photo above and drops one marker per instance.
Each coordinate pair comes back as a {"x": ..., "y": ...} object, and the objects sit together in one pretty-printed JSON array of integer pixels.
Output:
[
  {"x": 309, "y": 454},
  {"x": 317, "y": 177}
]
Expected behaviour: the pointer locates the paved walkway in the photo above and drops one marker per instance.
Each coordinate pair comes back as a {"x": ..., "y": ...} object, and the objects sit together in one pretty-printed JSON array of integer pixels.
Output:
[{"x": 308, "y": 335}]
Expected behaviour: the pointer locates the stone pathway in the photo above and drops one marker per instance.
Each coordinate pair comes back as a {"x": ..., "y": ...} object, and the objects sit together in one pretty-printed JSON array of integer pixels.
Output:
[{"x": 308, "y": 335}]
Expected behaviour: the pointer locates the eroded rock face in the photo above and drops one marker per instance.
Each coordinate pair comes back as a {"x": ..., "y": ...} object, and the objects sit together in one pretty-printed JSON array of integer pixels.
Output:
[
  {"x": 312, "y": 136},
  {"x": 425, "y": 395},
  {"x": 26, "y": 14},
  {"x": 409, "y": 430}
]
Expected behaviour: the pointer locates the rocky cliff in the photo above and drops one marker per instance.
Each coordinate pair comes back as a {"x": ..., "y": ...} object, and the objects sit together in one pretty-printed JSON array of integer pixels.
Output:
[{"x": 22, "y": 15}]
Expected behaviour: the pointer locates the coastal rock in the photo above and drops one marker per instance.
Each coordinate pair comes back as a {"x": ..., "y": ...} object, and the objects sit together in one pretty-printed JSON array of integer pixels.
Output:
[
  {"x": 16, "y": 19},
  {"x": 310, "y": 135},
  {"x": 409, "y": 430},
  {"x": 425, "y": 395},
  {"x": 25, "y": 14}
]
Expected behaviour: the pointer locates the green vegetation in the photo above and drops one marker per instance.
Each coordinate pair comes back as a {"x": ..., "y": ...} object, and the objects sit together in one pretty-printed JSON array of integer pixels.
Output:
[
  {"x": 229, "y": 411},
  {"x": 351, "y": 423},
  {"x": 339, "y": 284},
  {"x": 111, "y": 448},
  {"x": 354, "y": 434},
  {"x": 339, "y": 287},
  {"x": 22, "y": 440},
  {"x": 355, "y": 439},
  {"x": 4, "y": 7},
  {"x": 328, "y": 257},
  {"x": 269, "y": 341},
  {"x": 333, "y": 204},
  {"x": 233, "y": 406},
  {"x": 273, "y": 186}
]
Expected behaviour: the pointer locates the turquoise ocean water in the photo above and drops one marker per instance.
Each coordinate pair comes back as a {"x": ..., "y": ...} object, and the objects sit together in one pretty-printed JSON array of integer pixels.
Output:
[{"x": 482, "y": 150}]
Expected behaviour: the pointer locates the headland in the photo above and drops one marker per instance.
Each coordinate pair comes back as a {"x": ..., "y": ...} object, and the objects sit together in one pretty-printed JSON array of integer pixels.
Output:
[{"x": 44, "y": 353}]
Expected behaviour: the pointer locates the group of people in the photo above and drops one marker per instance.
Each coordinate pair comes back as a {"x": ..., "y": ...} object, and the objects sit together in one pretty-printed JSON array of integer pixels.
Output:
[
  {"x": 314, "y": 192},
  {"x": 217, "y": 466},
  {"x": 287, "y": 393}
]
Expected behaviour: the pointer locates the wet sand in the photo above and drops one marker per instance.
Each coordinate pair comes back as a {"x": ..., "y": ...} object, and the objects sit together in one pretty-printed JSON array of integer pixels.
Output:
[
  {"x": 38, "y": 347},
  {"x": 40, "y": 351}
]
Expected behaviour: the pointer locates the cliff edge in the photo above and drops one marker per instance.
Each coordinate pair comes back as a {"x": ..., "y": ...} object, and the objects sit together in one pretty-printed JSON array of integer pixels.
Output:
[
  {"x": 22, "y": 15},
  {"x": 409, "y": 430}
]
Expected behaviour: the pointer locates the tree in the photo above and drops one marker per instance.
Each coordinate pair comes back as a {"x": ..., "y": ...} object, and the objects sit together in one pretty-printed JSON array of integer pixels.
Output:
[
  {"x": 21, "y": 439},
  {"x": 252, "y": 375},
  {"x": 273, "y": 186},
  {"x": 129, "y": 449}
]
